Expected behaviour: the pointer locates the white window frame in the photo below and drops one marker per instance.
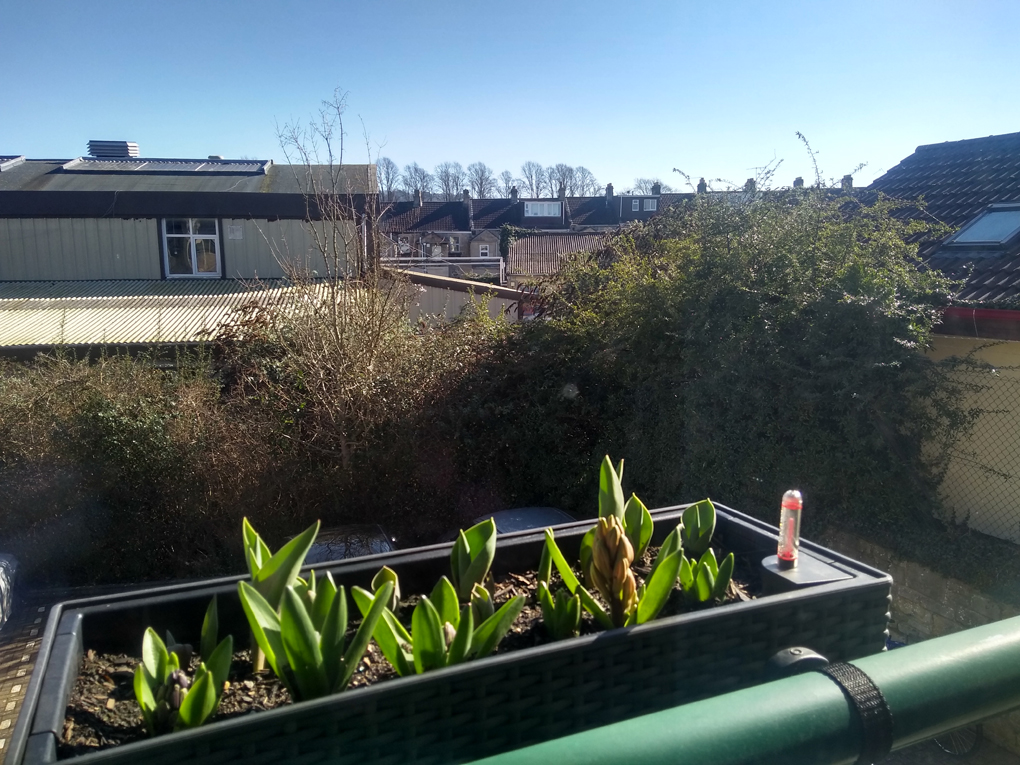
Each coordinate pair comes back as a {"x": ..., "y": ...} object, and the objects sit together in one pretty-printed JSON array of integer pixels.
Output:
[
  {"x": 651, "y": 205},
  {"x": 192, "y": 238},
  {"x": 483, "y": 250},
  {"x": 543, "y": 210},
  {"x": 635, "y": 205},
  {"x": 455, "y": 244}
]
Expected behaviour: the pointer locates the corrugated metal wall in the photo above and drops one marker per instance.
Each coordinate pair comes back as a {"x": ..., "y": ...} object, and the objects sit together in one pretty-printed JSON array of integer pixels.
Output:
[
  {"x": 263, "y": 244},
  {"x": 115, "y": 248},
  {"x": 78, "y": 248},
  {"x": 436, "y": 301}
]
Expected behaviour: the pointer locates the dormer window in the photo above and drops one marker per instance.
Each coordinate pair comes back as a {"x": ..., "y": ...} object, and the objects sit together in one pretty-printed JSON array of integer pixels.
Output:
[
  {"x": 651, "y": 205},
  {"x": 543, "y": 210}
]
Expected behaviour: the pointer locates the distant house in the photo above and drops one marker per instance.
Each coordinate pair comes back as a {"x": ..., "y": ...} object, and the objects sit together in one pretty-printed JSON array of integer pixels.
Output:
[
  {"x": 117, "y": 249},
  {"x": 463, "y": 237},
  {"x": 119, "y": 216}
]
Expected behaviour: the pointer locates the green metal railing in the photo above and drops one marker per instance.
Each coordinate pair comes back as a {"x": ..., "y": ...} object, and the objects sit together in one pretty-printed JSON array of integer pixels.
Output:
[{"x": 929, "y": 687}]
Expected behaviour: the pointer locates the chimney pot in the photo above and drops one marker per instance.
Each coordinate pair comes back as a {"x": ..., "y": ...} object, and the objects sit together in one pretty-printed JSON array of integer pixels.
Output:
[
  {"x": 749, "y": 185},
  {"x": 702, "y": 187},
  {"x": 466, "y": 195},
  {"x": 417, "y": 197},
  {"x": 798, "y": 182},
  {"x": 562, "y": 192},
  {"x": 513, "y": 194},
  {"x": 656, "y": 189},
  {"x": 848, "y": 182}
]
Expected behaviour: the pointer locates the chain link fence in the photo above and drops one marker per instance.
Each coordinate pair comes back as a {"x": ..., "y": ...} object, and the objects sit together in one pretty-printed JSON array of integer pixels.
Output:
[{"x": 982, "y": 484}]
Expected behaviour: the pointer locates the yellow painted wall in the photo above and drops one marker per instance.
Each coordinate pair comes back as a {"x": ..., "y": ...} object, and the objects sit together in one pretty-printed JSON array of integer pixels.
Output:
[{"x": 988, "y": 501}]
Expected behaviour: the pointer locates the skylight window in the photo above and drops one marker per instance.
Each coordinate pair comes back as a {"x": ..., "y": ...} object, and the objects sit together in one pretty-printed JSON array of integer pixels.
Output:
[{"x": 993, "y": 227}]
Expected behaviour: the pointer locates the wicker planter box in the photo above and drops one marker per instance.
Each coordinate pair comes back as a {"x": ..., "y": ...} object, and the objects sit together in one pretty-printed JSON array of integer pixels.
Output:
[{"x": 483, "y": 707}]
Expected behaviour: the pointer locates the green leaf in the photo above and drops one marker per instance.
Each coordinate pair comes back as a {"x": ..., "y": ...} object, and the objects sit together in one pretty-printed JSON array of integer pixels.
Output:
[
  {"x": 210, "y": 630},
  {"x": 388, "y": 633},
  {"x": 154, "y": 657},
  {"x": 658, "y": 587},
  {"x": 722, "y": 581},
  {"x": 359, "y": 643},
  {"x": 218, "y": 663},
  {"x": 544, "y": 572},
  {"x": 704, "y": 582},
  {"x": 670, "y": 545},
  {"x": 444, "y": 598},
  {"x": 547, "y": 605},
  {"x": 637, "y": 522},
  {"x": 480, "y": 540},
  {"x": 282, "y": 569},
  {"x": 334, "y": 627},
  {"x": 481, "y": 604},
  {"x": 686, "y": 574},
  {"x": 325, "y": 593},
  {"x": 199, "y": 703},
  {"x": 492, "y": 630},
  {"x": 265, "y": 627},
  {"x": 610, "y": 491},
  {"x": 561, "y": 562},
  {"x": 460, "y": 648},
  {"x": 429, "y": 645},
  {"x": 708, "y": 559},
  {"x": 146, "y": 700},
  {"x": 593, "y": 608},
  {"x": 301, "y": 642}
]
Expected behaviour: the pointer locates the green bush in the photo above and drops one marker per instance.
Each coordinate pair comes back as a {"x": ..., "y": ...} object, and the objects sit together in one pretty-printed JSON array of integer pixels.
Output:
[{"x": 737, "y": 346}]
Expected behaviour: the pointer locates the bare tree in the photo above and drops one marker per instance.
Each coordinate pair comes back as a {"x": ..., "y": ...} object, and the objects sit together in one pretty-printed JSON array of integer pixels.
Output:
[
  {"x": 417, "y": 178},
  {"x": 481, "y": 180},
  {"x": 389, "y": 177},
  {"x": 450, "y": 178},
  {"x": 561, "y": 175},
  {"x": 587, "y": 186},
  {"x": 644, "y": 186},
  {"x": 533, "y": 178},
  {"x": 506, "y": 183}
]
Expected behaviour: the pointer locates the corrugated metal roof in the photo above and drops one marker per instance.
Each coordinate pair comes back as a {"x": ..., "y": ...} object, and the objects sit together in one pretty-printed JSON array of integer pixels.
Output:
[
  {"x": 123, "y": 312},
  {"x": 541, "y": 254},
  {"x": 135, "y": 165}
]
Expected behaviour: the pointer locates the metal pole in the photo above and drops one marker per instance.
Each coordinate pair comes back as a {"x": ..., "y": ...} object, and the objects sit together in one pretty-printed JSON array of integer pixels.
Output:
[{"x": 930, "y": 687}]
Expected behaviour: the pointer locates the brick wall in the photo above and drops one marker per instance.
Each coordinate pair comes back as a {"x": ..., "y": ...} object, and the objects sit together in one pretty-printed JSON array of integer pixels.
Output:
[{"x": 927, "y": 604}]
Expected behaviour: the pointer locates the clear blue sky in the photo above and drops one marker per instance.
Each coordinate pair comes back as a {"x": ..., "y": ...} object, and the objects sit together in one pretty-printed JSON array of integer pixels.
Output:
[{"x": 628, "y": 89}]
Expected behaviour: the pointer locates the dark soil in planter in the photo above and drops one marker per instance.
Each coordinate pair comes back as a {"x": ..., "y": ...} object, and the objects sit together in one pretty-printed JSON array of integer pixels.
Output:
[{"x": 102, "y": 711}]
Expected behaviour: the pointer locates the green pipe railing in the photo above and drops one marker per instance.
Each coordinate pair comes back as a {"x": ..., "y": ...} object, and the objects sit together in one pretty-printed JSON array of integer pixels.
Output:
[{"x": 929, "y": 687}]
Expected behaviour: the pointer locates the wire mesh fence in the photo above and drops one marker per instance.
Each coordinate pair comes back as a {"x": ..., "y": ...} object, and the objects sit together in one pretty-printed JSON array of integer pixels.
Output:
[{"x": 982, "y": 484}]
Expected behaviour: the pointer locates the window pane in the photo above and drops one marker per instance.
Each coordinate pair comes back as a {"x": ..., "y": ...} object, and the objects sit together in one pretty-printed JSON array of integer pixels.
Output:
[
  {"x": 205, "y": 255},
  {"x": 204, "y": 226},
  {"x": 992, "y": 227},
  {"x": 177, "y": 226},
  {"x": 634, "y": 205},
  {"x": 178, "y": 254}
]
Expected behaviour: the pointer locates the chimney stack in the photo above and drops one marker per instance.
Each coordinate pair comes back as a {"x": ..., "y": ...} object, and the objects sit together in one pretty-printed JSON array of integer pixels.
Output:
[
  {"x": 609, "y": 193},
  {"x": 466, "y": 196},
  {"x": 417, "y": 197},
  {"x": 562, "y": 192},
  {"x": 656, "y": 189},
  {"x": 513, "y": 195},
  {"x": 848, "y": 183},
  {"x": 702, "y": 187},
  {"x": 750, "y": 185},
  {"x": 798, "y": 182}
]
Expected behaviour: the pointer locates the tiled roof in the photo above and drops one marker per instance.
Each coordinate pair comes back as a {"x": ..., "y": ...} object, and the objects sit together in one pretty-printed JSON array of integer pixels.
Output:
[
  {"x": 431, "y": 216},
  {"x": 958, "y": 179},
  {"x": 540, "y": 254},
  {"x": 493, "y": 213},
  {"x": 591, "y": 211}
]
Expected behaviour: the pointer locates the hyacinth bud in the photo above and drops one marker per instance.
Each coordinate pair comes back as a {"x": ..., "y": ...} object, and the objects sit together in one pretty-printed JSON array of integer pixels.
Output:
[
  {"x": 449, "y": 633},
  {"x": 612, "y": 555}
]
